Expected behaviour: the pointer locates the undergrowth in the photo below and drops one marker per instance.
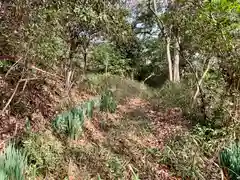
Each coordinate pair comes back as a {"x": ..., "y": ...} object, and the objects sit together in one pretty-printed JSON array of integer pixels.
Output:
[
  {"x": 124, "y": 153},
  {"x": 195, "y": 154},
  {"x": 121, "y": 86},
  {"x": 44, "y": 153}
]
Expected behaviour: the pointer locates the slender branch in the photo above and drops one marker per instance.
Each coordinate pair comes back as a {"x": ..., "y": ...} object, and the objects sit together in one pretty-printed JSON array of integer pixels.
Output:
[
  {"x": 159, "y": 21},
  {"x": 10, "y": 99},
  {"x": 30, "y": 66},
  {"x": 14, "y": 92},
  {"x": 152, "y": 74},
  {"x": 200, "y": 83},
  {"x": 13, "y": 66},
  {"x": 203, "y": 108}
]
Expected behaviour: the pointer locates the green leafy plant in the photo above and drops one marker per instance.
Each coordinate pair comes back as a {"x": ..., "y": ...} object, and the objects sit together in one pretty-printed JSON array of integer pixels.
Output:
[
  {"x": 109, "y": 60},
  {"x": 116, "y": 167},
  {"x": 230, "y": 159},
  {"x": 108, "y": 103},
  {"x": 44, "y": 152},
  {"x": 74, "y": 123},
  {"x": 13, "y": 163},
  {"x": 190, "y": 153},
  {"x": 71, "y": 122}
]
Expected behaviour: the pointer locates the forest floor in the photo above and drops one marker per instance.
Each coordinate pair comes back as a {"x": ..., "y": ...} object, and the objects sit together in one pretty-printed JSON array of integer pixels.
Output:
[{"x": 123, "y": 145}]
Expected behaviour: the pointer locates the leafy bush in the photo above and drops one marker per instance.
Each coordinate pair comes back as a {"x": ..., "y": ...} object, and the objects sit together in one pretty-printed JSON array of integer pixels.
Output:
[
  {"x": 13, "y": 164},
  {"x": 175, "y": 95},
  {"x": 230, "y": 159},
  {"x": 109, "y": 59},
  {"x": 44, "y": 152}
]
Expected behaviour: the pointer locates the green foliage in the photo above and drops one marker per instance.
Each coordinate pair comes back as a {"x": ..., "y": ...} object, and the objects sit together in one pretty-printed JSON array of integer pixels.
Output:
[
  {"x": 190, "y": 155},
  {"x": 44, "y": 152},
  {"x": 13, "y": 164},
  {"x": 71, "y": 122},
  {"x": 108, "y": 103},
  {"x": 175, "y": 95},
  {"x": 122, "y": 87},
  {"x": 230, "y": 159},
  {"x": 109, "y": 60},
  {"x": 116, "y": 167}
]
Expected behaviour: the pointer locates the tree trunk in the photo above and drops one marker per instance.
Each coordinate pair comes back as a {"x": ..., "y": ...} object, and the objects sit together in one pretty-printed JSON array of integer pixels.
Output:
[
  {"x": 85, "y": 62},
  {"x": 70, "y": 65},
  {"x": 176, "y": 72},
  {"x": 168, "y": 40}
]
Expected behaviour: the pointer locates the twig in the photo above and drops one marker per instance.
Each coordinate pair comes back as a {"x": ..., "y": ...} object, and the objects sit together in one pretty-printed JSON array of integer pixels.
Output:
[
  {"x": 25, "y": 84},
  {"x": 10, "y": 99},
  {"x": 152, "y": 74},
  {"x": 30, "y": 79},
  {"x": 13, "y": 66},
  {"x": 45, "y": 72},
  {"x": 203, "y": 107},
  {"x": 159, "y": 21}
]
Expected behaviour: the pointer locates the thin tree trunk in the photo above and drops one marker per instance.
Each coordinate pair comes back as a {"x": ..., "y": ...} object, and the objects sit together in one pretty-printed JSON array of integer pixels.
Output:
[
  {"x": 85, "y": 61},
  {"x": 200, "y": 83},
  {"x": 168, "y": 40},
  {"x": 176, "y": 60},
  {"x": 69, "y": 65}
]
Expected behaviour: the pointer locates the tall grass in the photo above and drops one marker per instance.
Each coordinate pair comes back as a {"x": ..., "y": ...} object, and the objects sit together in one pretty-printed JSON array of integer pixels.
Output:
[
  {"x": 230, "y": 160},
  {"x": 13, "y": 163}
]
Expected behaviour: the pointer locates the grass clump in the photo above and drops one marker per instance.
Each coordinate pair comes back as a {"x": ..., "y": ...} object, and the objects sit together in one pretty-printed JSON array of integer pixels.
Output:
[
  {"x": 71, "y": 122},
  {"x": 108, "y": 103},
  {"x": 44, "y": 153},
  {"x": 13, "y": 164},
  {"x": 230, "y": 160}
]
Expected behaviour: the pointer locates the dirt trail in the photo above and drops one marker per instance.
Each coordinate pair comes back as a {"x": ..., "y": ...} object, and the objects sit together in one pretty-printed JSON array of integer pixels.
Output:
[
  {"x": 163, "y": 125},
  {"x": 42, "y": 100}
]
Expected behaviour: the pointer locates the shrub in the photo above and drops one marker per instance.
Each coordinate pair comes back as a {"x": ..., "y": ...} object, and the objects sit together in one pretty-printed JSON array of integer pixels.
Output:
[
  {"x": 13, "y": 164},
  {"x": 108, "y": 59},
  {"x": 176, "y": 95},
  {"x": 44, "y": 152},
  {"x": 123, "y": 87}
]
